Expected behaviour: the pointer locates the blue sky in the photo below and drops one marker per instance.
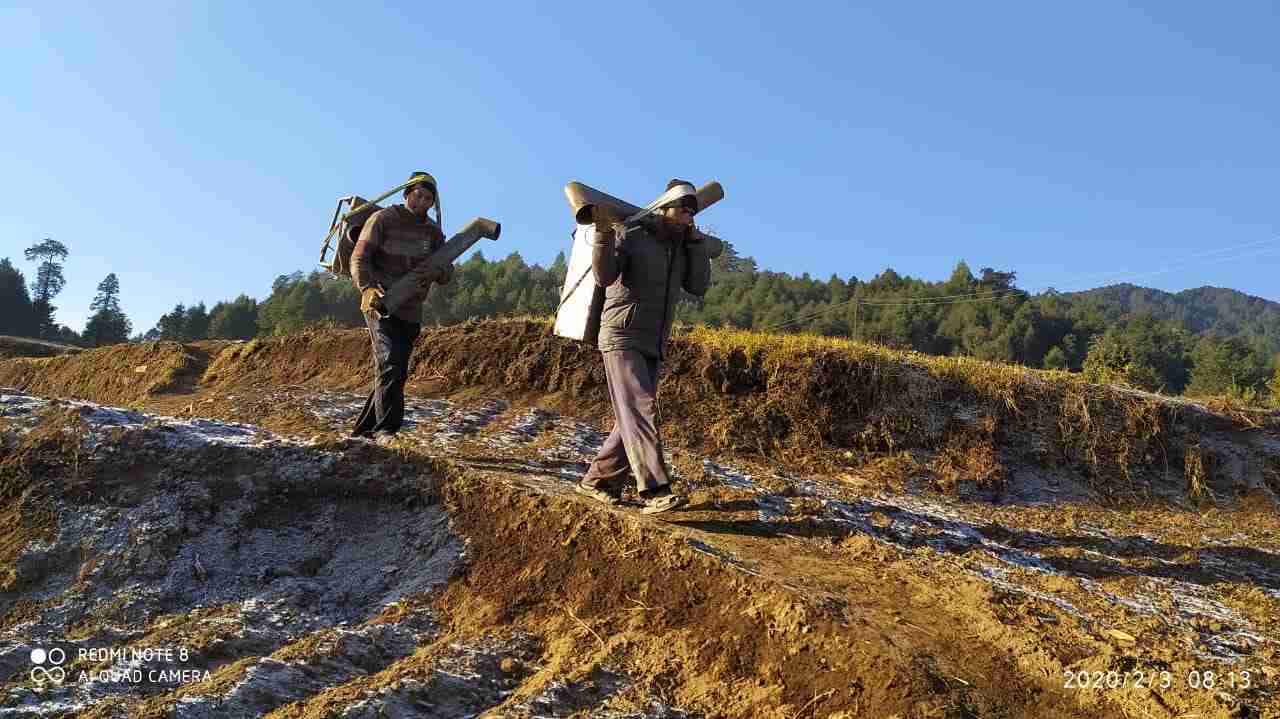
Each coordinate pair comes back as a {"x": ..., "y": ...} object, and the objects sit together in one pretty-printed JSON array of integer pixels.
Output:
[{"x": 197, "y": 150}]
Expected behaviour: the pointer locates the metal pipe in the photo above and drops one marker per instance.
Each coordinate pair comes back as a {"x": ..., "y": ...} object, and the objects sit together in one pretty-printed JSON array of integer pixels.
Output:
[
  {"x": 411, "y": 282},
  {"x": 583, "y": 200}
]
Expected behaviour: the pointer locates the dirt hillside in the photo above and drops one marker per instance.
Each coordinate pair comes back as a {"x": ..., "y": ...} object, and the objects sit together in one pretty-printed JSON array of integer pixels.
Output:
[
  {"x": 27, "y": 347},
  {"x": 870, "y": 533}
]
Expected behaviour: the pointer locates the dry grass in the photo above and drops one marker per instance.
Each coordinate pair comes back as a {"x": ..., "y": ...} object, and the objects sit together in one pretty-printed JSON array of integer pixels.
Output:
[
  {"x": 120, "y": 373},
  {"x": 805, "y": 402},
  {"x": 21, "y": 347},
  {"x": 845, "y": 395}
]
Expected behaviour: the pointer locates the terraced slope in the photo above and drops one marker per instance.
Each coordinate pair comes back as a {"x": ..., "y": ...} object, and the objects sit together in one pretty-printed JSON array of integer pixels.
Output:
[{"x": 942, "y": 548}]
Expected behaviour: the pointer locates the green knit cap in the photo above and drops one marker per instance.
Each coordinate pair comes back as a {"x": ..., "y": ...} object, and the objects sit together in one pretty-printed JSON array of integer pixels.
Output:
[{"x": 426, "y": 179}]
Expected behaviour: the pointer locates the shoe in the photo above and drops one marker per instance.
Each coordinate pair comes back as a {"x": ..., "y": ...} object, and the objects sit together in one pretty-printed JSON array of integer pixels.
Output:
[
  {"x": 595, "y": 493},
  {"x": 384, "y": 439},
  {"x": 663, "y": 501}
]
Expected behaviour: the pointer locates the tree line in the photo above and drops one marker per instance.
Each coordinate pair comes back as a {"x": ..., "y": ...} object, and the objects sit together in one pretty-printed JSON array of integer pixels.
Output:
[
  {"x": 1199, "y": 342},
  {"x": 28, "y": 311}
]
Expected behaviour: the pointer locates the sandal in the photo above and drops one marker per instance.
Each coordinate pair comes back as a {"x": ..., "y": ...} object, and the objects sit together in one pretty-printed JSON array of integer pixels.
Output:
[
  {"x": 595, "y": 493},
  {"x": 662, "y": 503}
]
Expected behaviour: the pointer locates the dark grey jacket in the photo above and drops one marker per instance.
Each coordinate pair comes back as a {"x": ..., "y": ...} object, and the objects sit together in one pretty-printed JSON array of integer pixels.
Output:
[{"x": 643, "y": 268}]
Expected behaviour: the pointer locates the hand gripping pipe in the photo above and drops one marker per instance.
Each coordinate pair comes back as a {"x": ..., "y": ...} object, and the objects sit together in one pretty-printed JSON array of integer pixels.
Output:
[
  {"x": 583, "y": 200},
  {"x": 412, "y": 282}
]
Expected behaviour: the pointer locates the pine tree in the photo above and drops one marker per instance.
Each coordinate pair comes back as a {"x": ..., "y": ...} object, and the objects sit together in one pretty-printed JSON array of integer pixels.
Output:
[
  {"x": 234, "y": 320},
  {"x": 172, "y": 324},
  {"x": 1055, "y": 358},
  {"x": 17, "y": 317},
  {"x": 1225, "y": 366},
  {"x": 195, "y": 325},
  {"x": 49, "y": 282},
  {"x": 108, "y": 324}
]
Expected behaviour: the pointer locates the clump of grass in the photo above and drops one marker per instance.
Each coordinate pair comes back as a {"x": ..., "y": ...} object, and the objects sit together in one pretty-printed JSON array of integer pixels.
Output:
[
  {"x": 895, "y": 470},
  {"x": 1198, "y": 463}
]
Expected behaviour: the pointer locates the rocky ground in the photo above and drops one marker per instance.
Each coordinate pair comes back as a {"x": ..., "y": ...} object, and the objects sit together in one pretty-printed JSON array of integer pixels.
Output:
[{"x": 226, "y": 551}]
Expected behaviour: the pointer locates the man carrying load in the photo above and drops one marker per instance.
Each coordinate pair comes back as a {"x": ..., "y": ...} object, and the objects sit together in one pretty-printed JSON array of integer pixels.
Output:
[
  {"x": 392, "y": 242},
  {"x": 643, "y": 266}
]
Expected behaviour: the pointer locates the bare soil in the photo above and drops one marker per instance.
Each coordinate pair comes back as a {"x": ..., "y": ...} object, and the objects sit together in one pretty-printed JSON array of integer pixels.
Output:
[
  {"x": 28, "y": 347},
  {"x": 867, "y": 535}
]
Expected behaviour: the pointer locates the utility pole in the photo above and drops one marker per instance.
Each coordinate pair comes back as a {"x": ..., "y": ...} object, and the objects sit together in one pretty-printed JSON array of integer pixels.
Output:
[{"x": 855, "y": 314}]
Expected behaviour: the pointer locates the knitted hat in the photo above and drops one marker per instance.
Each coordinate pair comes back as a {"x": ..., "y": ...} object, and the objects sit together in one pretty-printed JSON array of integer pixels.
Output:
[{"x": 426, "y": 179}]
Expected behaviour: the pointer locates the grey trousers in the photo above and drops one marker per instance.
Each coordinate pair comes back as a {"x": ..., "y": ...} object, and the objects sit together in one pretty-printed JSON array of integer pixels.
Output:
[{"x": 634, "y": 444}]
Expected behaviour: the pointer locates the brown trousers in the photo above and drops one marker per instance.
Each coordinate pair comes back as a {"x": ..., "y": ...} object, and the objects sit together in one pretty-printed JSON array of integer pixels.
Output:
[{"x": 633, "y": 445}]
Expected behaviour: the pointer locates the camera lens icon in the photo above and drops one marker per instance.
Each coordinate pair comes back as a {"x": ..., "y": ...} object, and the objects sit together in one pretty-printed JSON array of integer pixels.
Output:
[{"x": 54, "y": 657}]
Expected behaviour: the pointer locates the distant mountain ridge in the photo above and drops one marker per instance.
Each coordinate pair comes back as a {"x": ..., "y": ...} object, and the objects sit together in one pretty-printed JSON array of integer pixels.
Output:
[{"x": 1202, "y": 310}]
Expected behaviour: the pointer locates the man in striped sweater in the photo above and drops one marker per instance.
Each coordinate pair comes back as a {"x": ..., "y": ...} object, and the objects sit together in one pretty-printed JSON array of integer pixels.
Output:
[{"x": 391, "y": 243}]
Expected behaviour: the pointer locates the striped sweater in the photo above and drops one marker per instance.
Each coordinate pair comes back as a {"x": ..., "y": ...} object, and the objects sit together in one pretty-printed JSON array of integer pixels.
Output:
[{"x": 391, "y": 243}]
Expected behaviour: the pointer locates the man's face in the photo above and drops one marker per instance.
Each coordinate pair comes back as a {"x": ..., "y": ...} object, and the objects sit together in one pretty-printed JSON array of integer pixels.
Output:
[
  {"x": 679, "y": 214},
  {"x": 420, "y": 200}
]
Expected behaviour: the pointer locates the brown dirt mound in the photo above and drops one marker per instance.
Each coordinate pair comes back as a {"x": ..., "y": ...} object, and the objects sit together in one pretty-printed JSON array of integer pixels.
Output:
[
  {"x": 725, "y": 645},
  {"x": 814, "y": 405},
  {"x": 24, "y": 347},
  {"x": 120, "y": 374},
  {"x": 329, "y": 359},
  {"x": 806, "y": 404},
  {"x": 726, "y": 613}
]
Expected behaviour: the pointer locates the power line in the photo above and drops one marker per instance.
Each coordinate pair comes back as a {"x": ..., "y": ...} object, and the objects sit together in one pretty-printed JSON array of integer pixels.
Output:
[
  {"x": 1184, "y": 265},
  {"x": 1260, "y": 247},
  {"x": 1124, "y": 273}
]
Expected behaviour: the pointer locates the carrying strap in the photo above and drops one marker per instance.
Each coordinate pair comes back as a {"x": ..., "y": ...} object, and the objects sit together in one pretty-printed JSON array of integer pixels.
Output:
[{"x": 573, "y": 289}]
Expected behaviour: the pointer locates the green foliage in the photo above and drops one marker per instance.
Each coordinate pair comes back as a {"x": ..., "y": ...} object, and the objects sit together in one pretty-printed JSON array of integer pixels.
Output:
[
  {"x": 108, "y": 324},
  {"x": 1056, "y": 358},
  {"x": 171, "y": 325},
  {"x": 1108, "y": 360},
  {"x": 1144, "y": 353},
  {"x": 1123, "y": 334},
  {"x": 507, "y": 287},
  {"x": 49, "y": 279},
  {"x": 67, "y": 336},
  {"x": 234, "y": 320},
  {"x": 49, "y": 282},
  {"x": 1226, "y": 366},
  {"x": 1204, "y": 310},
  {"x": 108, "y": 297},
  {"x": 181, "y": 324},
  {"x": 195, "y": 326},
  {"x": 17, "y": 316},
  {"x": 1273, "y": 383},
  {"x": 299, "y": 301}
]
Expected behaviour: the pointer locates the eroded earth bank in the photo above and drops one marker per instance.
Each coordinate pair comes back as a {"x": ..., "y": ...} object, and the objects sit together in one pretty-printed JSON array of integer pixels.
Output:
[{"x": 185, "y": 531}]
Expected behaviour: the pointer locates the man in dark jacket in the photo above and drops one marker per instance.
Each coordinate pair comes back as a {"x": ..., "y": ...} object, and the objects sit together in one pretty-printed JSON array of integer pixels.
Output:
[
  {"x": 643, "y": 267},
  {"x": 394, "y": 240}
]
